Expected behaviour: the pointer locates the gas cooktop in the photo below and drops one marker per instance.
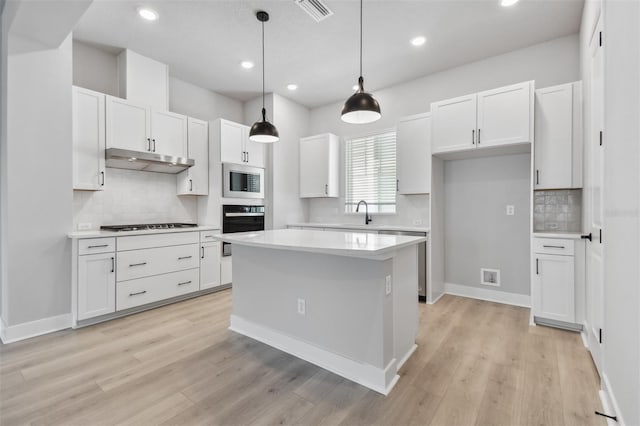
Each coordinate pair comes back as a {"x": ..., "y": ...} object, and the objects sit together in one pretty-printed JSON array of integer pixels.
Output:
[{"x": 147, "y": 226}]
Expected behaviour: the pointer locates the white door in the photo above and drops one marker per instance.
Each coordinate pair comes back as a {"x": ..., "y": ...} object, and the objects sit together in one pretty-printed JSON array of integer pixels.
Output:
[
  {"x": 554, "y": 136},
  {"x": 254, "y": 150},
  {"x": 413, "y": 155},
  {"x": 595, "y": 177},
  {"x": 169, "y": 133},
  {"x": 505, "y": 116},
  {"x": 453, "y": 124},
  {"x": 314, "y": 166},
  {"x": 195, "y": 180},
  {"x": 88, "y": 139},
  {"x": 210, "y": 265},
  {"x": 96, "y": 285},
  {"x": 128, "y": 125},
  {"x": 231, "y": 145},
  {"x": 553, "y": 291}
]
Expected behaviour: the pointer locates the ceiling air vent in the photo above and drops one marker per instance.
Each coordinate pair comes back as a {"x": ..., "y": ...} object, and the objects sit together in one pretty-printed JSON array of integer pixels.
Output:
[{"x": 315, "y": 8}]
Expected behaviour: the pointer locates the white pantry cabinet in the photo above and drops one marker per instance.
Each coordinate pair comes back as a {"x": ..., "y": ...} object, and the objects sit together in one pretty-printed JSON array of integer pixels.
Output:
[
  {"x": 319, "y": 166},
  {"x": 496, "y": 117},
  {"x": 558, "y": 147},
  {"x": 88, "y": 139},
  {"x": 235, "y": 146},
  {"x": 195, "y": 180},
  {"x": 413, "y": 154},
  {"x": 96, "y": 285},
  {"x": 137, "y": 127}
]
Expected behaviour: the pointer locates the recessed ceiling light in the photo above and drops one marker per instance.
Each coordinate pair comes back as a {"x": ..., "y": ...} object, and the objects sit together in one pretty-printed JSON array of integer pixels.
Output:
[
  {"x": 420, "y": 40},
  {"x": 292, "y": 86},
  {"x": 246, "y": 65},
  {"x": 148, "y": 14},
  {"x": 507, "y": 3}
]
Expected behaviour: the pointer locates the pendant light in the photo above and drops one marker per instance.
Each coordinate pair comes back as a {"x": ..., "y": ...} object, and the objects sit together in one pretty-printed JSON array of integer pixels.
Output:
[
  {"x": 361, "y": 107},
  {"x": 263, "y": 131}
]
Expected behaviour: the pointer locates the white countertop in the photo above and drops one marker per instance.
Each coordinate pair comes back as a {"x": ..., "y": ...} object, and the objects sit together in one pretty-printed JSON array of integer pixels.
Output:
[
  {"x": 363, "y": 227},
  {"x": 96, "y": 233},
  {"x": 355, "y": 244},
  {"x": 568, "y": 235}
]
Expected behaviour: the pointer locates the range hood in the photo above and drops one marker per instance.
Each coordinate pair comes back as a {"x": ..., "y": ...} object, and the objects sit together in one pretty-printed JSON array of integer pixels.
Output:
[{"x": 146, "y": 161}]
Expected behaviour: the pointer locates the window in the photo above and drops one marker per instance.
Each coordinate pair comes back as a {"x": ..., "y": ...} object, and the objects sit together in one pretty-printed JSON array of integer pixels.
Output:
[{"x": 370, "y": 172}]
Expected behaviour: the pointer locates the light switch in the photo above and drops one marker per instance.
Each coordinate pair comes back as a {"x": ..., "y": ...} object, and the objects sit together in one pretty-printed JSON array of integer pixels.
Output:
[{"x": 511, "y": 210}]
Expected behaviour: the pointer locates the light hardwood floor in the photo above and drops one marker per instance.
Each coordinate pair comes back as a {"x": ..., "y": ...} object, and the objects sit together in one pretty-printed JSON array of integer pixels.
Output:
[{"x": 477, "y": 363}]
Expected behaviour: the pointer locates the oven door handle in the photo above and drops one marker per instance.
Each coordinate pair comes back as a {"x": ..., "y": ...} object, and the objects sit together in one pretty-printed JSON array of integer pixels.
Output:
[{"x": 243, "y": 214}]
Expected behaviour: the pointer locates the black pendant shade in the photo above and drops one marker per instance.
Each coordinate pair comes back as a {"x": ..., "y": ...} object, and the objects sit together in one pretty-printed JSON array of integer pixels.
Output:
[
  {"x": 263, "y": 131},
  {"x": 361, "y": 107}
]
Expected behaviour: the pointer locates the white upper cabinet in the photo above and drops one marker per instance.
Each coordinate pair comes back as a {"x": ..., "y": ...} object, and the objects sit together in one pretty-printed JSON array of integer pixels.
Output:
[
  {"x": 235, "y": 146},
  {"x": 319, "y": 166},
  {"x": 505, "y": 116},
  {"x": 492, "y": 118},
  {"x": 454, "y": 124},
  {"x": 139, "y": 128},
  {"x": 195, "y": 180},
  {"x": 88, "y": 139},
  {"x": 558, "y": 146},
  {"x": 128, "y": 125},
  {"x": 413, "y": 154},
  {"x": 169, "y": 133}
]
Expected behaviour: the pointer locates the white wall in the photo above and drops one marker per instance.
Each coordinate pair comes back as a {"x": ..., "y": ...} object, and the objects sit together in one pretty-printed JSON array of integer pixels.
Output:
[
  {"x": 37, "y": 199},
  {"x": 478, "y": 234},
  {"x": 550, "y": 63},
  {"x": 94, "y": 69},
  {"x": 194, "y": 101}
]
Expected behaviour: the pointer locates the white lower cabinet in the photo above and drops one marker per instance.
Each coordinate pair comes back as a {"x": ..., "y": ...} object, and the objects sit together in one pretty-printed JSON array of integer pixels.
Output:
[
  {"x": 138, "y": 292},
  {"x": 154, "y": 261},
  {"x": 210, "y": 265},
  {"x": 226, "y": 270},
  {"x": 96, "y": 285}
]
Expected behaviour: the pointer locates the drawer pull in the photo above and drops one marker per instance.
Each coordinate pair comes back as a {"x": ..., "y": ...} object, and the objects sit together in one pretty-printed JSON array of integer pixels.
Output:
[
  {"x": 208, "y": 236},
  {"x": 558, "y": 247},
  {"x": 137, "y": 293},
  {"x": 137, "y": 264},
  {"x": 184, "y": 257},
  {"x": 185, "y": 283},
  {"x": 99, "y": 246},
  {"x": 113, "y": 264}
]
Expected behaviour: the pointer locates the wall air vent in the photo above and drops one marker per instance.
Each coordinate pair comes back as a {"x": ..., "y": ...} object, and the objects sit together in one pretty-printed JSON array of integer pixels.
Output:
[{"x": 315, "y": 8}]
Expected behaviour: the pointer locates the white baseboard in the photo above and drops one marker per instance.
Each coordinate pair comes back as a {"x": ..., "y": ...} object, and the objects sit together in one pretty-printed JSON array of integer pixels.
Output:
[
  {"x": 437, "y": 298},
  {"x": 407, "y": 356},
  {"x": 14, "y": 333},
  {"x": 583, "y": 334},
  {"x": 609, "y": 404},
  {"x": 487, "y": 294},
  {"x": 381, "y": 380}
]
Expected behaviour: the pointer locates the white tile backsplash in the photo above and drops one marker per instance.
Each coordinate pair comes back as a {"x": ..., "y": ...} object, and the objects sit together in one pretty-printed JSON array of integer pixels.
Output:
[{"x": 132, "y": 196}]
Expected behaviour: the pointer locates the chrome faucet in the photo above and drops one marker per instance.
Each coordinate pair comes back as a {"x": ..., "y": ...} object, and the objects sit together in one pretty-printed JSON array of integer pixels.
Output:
[{"x": 367, "y": 218}]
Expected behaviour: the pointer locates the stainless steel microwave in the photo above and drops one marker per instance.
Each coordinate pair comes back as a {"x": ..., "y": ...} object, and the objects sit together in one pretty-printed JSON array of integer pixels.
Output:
[{"x": 242, "y": 181}]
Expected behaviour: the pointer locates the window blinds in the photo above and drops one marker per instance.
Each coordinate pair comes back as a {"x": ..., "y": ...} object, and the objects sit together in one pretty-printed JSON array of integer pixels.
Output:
[{"x": 370, "y": 172}]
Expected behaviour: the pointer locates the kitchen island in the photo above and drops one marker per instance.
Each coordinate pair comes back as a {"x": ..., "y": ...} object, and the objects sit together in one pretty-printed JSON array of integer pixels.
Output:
[{"x": 345, "y": 301}]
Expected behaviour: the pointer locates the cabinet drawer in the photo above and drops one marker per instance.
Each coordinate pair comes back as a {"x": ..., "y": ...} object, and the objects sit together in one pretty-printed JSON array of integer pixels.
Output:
[
  {"x": 136, "y": 242},
  {"x": 553, "y": 246},
  {"x": 152, "y": 289},
  {"x": 96, "y": 245},
  {"x": 143, "y": 263},
  {"x": 209, "y": 236}
]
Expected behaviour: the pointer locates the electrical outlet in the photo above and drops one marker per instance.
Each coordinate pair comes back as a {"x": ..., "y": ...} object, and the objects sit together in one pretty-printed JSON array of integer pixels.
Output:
[
  {"x": 511, "y": 210},
  {"x": 84, "y": 226},
  {"x": 387, "y": 285},
  {"x": 302, "y": 307}
]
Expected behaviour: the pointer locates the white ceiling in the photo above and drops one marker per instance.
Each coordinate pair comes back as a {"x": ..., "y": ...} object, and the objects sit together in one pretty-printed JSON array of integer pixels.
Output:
[{"x": 203, "y": 42}]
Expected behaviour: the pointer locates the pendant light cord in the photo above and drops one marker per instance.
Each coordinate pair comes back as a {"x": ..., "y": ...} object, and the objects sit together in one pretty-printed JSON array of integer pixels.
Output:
[
  {"x": 360, "y": 38},
  {"x": 263, "y": 110}
]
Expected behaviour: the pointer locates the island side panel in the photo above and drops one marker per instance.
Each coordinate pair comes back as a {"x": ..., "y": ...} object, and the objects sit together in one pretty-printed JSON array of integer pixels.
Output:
[
  {"x": 346, "y": 305},
  {"x": 405, "y": 299}
]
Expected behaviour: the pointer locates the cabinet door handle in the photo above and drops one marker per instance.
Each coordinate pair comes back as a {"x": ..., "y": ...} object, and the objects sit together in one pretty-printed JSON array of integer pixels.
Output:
[
  {"x": 247, "y": 156},
  {"x": 102, "y": 178},
  {"x": 184, "y": 257},
  {"x": 185, "y": 282},
  {"x": 190, "y": 185},
  {"x": 473, "y": 136},
  {"x": 149, "y": 144},
  {"x": 99, "y": 246},
  {"x": 113, "y": 264},
  {"x": 202, "y": 251},
  {"x": 537, "y": 177},
  {"x": 137, "y": 293},
  {"x": 478, "y": 136},
  {"x": 137, "y": 264},
  {"x": 326, "y": 189},
  {"x": 154, "y": 145},
  {"x": 537, "y": 268},
  {"x": 558, "y": 247}
]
